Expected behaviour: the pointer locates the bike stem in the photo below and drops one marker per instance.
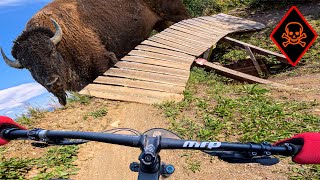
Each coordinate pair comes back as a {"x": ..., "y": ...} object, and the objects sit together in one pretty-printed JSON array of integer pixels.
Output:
[
  {"x": 150, "y": 166},
  {"x": 149, "y": 159}
]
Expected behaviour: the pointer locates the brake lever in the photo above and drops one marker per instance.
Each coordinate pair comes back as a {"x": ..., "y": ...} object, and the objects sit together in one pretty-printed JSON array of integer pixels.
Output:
[{"x": 244, "y": 157}]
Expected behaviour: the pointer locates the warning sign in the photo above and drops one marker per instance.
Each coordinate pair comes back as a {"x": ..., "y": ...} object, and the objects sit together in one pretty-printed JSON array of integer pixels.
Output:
[{"x": 293, "y": 35}]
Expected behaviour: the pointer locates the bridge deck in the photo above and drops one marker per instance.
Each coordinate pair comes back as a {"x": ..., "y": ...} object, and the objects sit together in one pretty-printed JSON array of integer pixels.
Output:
[{"x": 158, "y": 69}]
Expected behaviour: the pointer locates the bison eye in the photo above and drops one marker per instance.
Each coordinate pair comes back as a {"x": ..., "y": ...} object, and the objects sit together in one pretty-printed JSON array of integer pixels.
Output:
[{"x": 54, "y": 53}]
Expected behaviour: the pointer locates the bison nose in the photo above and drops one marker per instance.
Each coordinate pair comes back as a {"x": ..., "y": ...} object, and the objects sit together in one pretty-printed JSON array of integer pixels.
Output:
[{"x": 51, "y": 81}]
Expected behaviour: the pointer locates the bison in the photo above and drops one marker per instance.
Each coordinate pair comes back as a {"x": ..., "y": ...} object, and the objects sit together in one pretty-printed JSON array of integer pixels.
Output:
[{"x": 69, "y": 43}]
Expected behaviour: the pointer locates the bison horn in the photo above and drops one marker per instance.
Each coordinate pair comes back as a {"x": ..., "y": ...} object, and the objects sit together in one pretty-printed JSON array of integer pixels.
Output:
[
  {"x": 58, "y": 36},
  {"x": 14, "y": 64}
]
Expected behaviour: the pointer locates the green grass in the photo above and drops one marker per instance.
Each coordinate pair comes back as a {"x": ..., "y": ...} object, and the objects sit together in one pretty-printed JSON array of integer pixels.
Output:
[
  {"x": 25, "y": 120},
  {"x": 78, "y": 98},
  {"x": 208, "y": 7},
  {"x": 14, "y": 168},
  {"x": 56, "y": 163},
  {"x": 31, "y": 117},
  {"x": 194, "y": 165},
  {"x": 36, "y": 113},
  {"x": 216, "y": 108},
  {"x": 305, "y": 172},
  {"x": 96, "y": 114}
]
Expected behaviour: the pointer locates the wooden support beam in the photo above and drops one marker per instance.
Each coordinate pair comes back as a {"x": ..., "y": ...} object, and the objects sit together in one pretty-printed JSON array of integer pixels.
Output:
[
  {"x": 255, "y": 49},
  {"x": 254, "y": 61},
  {"x": 239, "y": 75}
]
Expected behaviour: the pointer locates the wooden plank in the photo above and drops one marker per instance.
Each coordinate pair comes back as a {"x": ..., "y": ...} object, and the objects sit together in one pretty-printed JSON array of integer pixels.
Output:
[
  {"x": 238, "y": 75},
  {"x": 187, "y": 37},
  {"x": 215, "y": 23},
  {"x": 159, "y": 45},
  {"x": 206, "y": 29},
  {"x": 179, "y": 45},
  {"x": 256, "y": 49},
  {"x": 185, "y": 30},
  {"x": 231, "y": 27},
  {"x": 157, "y": 62},
  {"x": 188, "y": 44},
  {"x": 217, "y": 20},
  {"x": 134, "y": 92},
  {"x": 228, "y": 25},
  {"x": 131, "y": 91},
  {"x": 168, "y": 43},
  {"x": 200, "y": 24},
  {"x": 207, "y": 25},
  {"x": 222, "y": 24},
  {"x": 232, "y": 19},
  {"x": 206, "y": 33},
  {"x": 203, "y": 22},
  {"x": 249, "y": 23},
  {"x": 130, "y": 94},
  {"x": 152, "y": 68},
  {"x": 161, "y": 78},
  {"x": 119, "y": 97},
  {"x": 181, "y": 60},
  {"x": 187, "y": 41},
  {"x": 192, "y": 32},
  {"x": 173, "y": 45},
  {"x": 139, "y": 84},
  {"x": 200, "y": 28},
  {"x": 163, "y": 51}
]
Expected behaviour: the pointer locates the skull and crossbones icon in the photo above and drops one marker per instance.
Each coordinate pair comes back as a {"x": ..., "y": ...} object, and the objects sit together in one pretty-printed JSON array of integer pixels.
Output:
[{"x": 294, "y": 34}]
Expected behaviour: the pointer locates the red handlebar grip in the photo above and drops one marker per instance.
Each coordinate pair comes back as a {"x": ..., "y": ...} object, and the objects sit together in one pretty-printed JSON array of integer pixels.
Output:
[
  {"x": 6, "y": 122},
  {"x": 310, "y": 152}
]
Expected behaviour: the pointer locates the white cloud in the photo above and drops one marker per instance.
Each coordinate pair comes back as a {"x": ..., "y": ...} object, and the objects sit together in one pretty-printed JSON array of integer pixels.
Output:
[
  {"x": 19, "y": 2},
  {"x": 16, "y": 96},
  {"x": 10, "y": 2}
]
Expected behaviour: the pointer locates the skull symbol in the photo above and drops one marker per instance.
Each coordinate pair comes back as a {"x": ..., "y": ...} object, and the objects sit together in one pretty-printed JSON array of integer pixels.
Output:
[{"x": 294, "y": 34}]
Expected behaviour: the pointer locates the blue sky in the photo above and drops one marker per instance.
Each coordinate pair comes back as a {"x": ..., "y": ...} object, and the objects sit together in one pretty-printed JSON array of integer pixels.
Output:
[{"x": 18, "y": 90}]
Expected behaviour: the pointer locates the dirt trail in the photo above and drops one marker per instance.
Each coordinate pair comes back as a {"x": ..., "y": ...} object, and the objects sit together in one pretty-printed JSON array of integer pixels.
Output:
[
  {"x": 102, "y": 161},
  {"x": 309, "y": 85}
]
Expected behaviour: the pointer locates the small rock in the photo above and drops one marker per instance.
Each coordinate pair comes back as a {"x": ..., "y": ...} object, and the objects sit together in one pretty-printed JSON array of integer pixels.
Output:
[{"x": 115, "y": 124}]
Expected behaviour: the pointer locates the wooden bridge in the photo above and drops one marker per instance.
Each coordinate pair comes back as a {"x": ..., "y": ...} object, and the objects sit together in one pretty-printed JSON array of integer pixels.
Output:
[{"x": 158, "y": 69}]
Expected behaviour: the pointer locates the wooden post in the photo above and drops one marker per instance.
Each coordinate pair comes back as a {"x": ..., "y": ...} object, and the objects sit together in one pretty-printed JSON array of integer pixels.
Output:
[
  {"x": 239, "y": 75},
  {"x": 208, "y": 53},
  {"x": 255, "y": 62},
  {"x": 256, "y": 49}
]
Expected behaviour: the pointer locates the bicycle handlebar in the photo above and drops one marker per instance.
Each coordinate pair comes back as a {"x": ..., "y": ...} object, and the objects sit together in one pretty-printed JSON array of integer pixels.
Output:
[
  {"x": 302, "y": 147},
  {"x": 150, "y": 166},
  {"x": 135, "y": 141}
]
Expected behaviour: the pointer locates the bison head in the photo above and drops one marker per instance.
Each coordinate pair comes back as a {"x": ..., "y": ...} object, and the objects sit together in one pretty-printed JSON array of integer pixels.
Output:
[
  {"x": 173, "y": 10},
  {"x": 36, "y": 51},
  {"x": 170, "y": 11}
]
